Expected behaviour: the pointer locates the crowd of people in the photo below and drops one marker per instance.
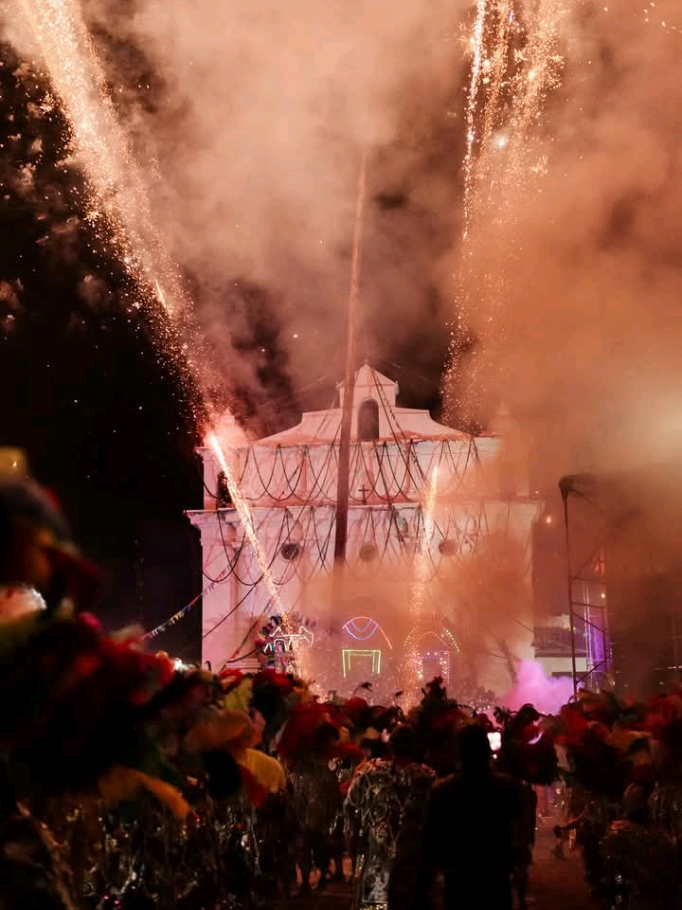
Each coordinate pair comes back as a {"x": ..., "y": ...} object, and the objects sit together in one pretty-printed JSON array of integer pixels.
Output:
[{"x": 128, "y": 782}]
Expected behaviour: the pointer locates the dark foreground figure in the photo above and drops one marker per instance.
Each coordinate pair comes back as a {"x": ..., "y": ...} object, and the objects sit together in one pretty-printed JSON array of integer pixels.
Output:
[{"x": 469, "y": 830}]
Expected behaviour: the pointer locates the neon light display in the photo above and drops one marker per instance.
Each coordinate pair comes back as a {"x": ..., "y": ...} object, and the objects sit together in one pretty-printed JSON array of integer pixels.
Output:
[
  {"x": 442, "y": 634},
  {"x": 436, "y": 658},
  {"x": 438, "y": 644},
  {"x": 282, "y": 641},
  {"x": 348, "y": 654},
  {"x": 362, "y": 628},
  {"x": 361, "y": 633}
]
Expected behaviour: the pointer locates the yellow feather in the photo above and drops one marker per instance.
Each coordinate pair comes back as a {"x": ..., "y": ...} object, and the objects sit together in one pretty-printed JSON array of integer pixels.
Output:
[{"x": 122, "y": 784}]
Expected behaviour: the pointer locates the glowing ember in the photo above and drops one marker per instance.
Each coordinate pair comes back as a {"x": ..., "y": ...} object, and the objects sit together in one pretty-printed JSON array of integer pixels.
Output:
[{"x": 423, "y": 562}]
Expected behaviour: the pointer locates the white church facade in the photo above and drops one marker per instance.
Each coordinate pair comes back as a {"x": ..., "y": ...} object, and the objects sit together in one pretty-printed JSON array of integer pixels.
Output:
[{"x": 438, "y": 570}]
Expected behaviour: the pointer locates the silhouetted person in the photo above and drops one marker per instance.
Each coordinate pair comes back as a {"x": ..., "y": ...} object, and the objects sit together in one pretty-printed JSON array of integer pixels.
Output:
[
  {"x": 523, "y": 839},
  {"x": 469, "y": 825}
]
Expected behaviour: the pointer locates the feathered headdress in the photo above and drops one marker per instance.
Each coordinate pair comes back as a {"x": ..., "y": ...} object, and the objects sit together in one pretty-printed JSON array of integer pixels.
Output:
[
  {"x": 357, "y": 714},
  {"x": 77, "y": 702},
  {"x": 304, "y": 730},
  {"x": 527, "y": 752}
]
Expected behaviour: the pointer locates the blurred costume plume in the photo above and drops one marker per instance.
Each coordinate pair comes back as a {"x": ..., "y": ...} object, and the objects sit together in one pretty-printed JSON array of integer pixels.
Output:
[
  {"x": 77, "y": 702},
  {"x": 36, "y": 547},
  {"x": 437, "y": 720},
  {"x": 121, "y": 784},
  {"x": 303, "y": 731},
  {"x": 527, "y": 752},
  {"x": 222, "y": 738}
]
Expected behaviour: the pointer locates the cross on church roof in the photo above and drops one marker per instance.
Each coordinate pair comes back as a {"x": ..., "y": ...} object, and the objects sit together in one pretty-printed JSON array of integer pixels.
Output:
[{"x": 364, "y": 491}]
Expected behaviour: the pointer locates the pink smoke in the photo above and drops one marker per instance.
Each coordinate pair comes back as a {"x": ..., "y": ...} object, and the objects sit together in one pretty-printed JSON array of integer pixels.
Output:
[{"x": 535, "y": 687}]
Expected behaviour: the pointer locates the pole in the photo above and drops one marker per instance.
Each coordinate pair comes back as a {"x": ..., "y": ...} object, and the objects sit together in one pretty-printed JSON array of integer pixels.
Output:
[
  {"x": 343, "y": 483},
  {"x": 571, "y": 611},
  {"x": 676, "y": 654}
]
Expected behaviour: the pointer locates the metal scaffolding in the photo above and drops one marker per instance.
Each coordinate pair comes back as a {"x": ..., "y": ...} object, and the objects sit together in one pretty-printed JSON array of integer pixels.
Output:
[{"x": 587, "y": 526}]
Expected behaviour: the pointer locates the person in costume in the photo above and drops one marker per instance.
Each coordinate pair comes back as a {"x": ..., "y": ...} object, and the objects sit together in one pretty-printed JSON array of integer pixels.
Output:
[
  {"x": 527, "y": 755},
  {"x": 32, "y": 574},
  {"x": 384, "y": 809},
  {"x": 598, "y": 772},
  {"x": 639, "y": 858},
  {"x": 666, "y": 799},
  {"x": 308, "y": 744}
]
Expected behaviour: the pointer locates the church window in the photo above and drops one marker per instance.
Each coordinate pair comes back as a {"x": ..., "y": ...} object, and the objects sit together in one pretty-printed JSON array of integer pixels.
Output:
[{"x": 368, "y": 420}]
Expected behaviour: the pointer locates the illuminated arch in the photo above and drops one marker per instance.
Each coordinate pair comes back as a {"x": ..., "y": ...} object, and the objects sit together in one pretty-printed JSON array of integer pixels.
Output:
[
  {"x": 419, "y": 648},
  {"x": 441, "y": 634}
]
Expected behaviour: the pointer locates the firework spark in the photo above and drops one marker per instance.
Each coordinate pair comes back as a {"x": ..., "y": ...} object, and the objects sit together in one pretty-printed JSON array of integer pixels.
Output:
[
  {"x": 119, "y": 191},
  {"x": 244, "y": 513},
  {"x": 99, "y": 143},
  {"x": 515, "y": 65},
  {"x": 423, "y": 561},
  {"x": 422, "y": 572},
  {"x": 477, "y": 57}
]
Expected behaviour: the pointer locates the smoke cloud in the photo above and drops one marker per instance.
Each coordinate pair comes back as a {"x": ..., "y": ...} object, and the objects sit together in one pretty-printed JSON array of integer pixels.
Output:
[
  {"x": 257, "y": 117},
  {"x": 584, "y": 346},
  {"x": 534, "y": 687},
  {"x": 252, "y": 120}
]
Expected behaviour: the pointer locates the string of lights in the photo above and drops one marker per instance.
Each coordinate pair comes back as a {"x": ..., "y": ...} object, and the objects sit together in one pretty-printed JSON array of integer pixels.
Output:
[{"x": 304, "y": 474}]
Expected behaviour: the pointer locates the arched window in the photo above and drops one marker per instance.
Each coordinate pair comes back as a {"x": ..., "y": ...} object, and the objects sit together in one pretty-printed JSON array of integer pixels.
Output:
[{"x": 368, "y": 420}]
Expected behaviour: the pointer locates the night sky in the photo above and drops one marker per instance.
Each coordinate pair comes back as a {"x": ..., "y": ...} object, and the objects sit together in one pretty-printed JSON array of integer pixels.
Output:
[{"x": 104, "y": 417}]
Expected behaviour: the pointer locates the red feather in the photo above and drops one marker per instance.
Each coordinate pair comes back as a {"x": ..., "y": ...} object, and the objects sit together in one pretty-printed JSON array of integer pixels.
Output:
[
  {"x": 256, "y": 792},
  {"x": 299, "y": 732}
]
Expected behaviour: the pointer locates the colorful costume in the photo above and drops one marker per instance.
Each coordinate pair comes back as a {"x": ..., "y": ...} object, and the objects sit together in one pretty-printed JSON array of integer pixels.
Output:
[
  {"x": 639, "y": 865},
  {"x": 32, "y": 870},
  {"x": 385, "y": 809},
  {"x": 316, "y": 803}
]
